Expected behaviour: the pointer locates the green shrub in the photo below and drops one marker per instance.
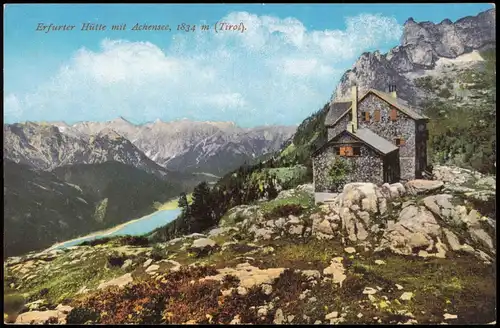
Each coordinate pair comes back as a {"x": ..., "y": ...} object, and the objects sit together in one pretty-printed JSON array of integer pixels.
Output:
[
  {"x": 134, "y": 240},
  {"x": 97, "y": 241},
  {"x": 80, "y": 315},
  {"x": 13, "y": 303},
  {"x": 445, "y": 93},
  {"x": 116, "y": 260},
  {"x": 339, "y": 170},
  {"x": 158, "y": 253}
]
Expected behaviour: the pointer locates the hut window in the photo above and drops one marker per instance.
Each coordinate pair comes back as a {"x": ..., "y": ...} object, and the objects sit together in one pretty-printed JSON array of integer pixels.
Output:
[
  {"x": 376, "y": 115},
  {"x": 357, "y": 151},
  {"x": 394, "y": 114},
  {"x": 399, "y": 142},
  {"x": 337, "y": 150},
  {"x": 365, "y": 116},
  {"x": 346, "y": 151}
]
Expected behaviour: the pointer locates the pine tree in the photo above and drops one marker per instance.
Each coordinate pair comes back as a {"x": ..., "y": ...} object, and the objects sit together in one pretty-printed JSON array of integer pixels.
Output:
[
  {"x": 201, "y": 210},
  {"x": 272, "y": 192},
  {"x": 183, "y": 203}
]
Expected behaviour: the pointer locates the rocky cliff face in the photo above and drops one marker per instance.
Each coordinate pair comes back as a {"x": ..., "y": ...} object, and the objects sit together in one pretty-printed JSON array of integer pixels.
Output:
[{"x": 422, "y": 46}]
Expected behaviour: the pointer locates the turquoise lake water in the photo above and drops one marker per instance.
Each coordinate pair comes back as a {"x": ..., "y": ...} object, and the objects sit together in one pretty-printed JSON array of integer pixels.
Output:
[{"x": 140, "y": 227}]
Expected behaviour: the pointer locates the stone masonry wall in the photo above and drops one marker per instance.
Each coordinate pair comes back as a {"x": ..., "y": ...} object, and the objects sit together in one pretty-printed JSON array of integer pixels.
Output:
[
  {"x": 403, "y": 127},
  {"x": 421, "y": 148},
  {"x": 367, "y": 168}
]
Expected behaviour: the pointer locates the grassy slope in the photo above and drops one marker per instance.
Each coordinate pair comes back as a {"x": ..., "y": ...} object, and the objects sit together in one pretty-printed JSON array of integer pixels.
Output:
[
  {"x": 456, "y": 285},
  {"x": 173, "y": 203}
]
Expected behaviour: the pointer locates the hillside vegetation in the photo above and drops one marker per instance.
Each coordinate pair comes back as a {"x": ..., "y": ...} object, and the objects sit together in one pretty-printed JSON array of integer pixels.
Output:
[
  {"x": 48, "y": 207},
  {"x": 462, "y": 112}
]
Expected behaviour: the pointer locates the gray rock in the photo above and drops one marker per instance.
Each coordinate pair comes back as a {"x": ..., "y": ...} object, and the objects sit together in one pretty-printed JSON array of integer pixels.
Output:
[
  {"x": 263, "y": 233},
  {"x": 487, "y": 182},
  {"x": 332, "y": 315},
  {"x": 311, "y": 274},
  {"x": 126, "y": 264},
  {"x": 480, "y": 236},
  {"x": 267, "y": 289},
  {"x": 415, "y": 228},
  {"x": 152, "y": 268},
  {"x": 296, "y": 229},
  {"x": 279, "y": 318},
  {"x": 452, "y": 240},
  {"x": 418, "y": 187},
  {"x": 202, "y": 243},
  {"x": 369, "y": 291},
  {"x": 321, "y": 226},
  {"x": 312, "y": 300},
  {"x": 309, "y": 188}
]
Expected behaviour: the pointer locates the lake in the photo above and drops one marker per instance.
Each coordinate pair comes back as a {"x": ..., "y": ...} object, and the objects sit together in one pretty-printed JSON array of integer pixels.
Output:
[{"x": 137, "y": 227}]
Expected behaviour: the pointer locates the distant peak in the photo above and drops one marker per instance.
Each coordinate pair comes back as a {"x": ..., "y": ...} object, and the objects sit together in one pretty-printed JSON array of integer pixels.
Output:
[
  {"x": 109, "y": 132},
  {"x": 410, "y": 20},
  {"x": 121, "y": 119}
]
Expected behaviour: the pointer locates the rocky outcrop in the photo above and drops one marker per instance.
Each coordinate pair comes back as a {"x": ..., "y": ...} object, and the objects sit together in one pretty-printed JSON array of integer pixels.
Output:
[
  {"x": 248, "y": 276},
  {"x": 418, "y": 187},
  {"x": 416, "y": 229},
  {"x": 41, "y": 317},
  {"x": 203, "y": 246},
  {"x": 422, "y": 45},
  {"x": 120, "y": 281},
  {"x": 390, "y": 218}
]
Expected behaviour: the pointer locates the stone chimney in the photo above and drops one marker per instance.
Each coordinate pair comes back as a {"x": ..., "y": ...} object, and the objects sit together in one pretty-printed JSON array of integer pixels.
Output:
[
  {"x": 349, "y": 127},
  {"x": 392, "y": 91},
  {"x": 354, "y": 109}
]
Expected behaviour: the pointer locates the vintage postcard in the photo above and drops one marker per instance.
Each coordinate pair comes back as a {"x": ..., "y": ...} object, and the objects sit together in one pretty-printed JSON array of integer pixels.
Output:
[{"x": 249, "y": 164}]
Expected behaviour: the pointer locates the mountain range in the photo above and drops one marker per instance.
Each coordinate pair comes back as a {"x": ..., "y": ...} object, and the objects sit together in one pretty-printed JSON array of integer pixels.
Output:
[{"x": 190, "y": 146}]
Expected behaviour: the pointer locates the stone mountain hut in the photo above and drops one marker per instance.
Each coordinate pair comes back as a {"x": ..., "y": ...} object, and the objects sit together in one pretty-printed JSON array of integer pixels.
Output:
[{"x": 374, "y": 138}]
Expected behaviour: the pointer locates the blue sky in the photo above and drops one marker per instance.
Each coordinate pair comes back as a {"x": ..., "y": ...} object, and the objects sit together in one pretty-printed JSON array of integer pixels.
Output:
[{"x": 281, "y": 69}]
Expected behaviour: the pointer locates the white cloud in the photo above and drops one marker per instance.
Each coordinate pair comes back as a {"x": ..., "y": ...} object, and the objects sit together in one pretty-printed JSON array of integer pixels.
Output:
[
  {"x": 276, "y": 69},
  {"x": 12, "y": 107}
]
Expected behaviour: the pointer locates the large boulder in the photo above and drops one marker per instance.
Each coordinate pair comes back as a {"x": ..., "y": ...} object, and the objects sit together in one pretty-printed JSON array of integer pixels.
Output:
[
  {"x": 203, "y": 246},
  {"x": 360, "y": 208},
  {"x": 40, "y": 317},
  {"x": 364, "y": 195},
  {"x": 394, "y": 190},
  {"x": 419, "y": 187},
  {"x": 415, "y": 229}
]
